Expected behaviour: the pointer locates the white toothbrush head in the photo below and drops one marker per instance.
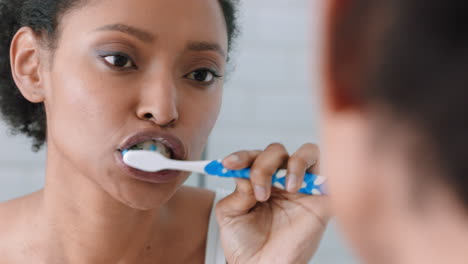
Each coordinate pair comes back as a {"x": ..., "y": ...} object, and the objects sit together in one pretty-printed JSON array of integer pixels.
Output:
[{"x": 145, "y": 160}]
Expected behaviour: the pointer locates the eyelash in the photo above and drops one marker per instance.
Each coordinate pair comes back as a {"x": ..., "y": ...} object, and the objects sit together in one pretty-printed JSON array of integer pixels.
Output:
[
  {"x": 210, "y": 71},
  {"x": 134, "y": 67},
  {"x": 120, "y": 54}
]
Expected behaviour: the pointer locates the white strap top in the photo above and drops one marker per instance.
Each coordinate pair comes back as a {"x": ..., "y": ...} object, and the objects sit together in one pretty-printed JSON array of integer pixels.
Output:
[{"x": 214, "y": 251}]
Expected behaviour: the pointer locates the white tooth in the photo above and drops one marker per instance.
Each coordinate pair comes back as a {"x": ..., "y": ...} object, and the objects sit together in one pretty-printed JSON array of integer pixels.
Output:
[
  {"x": 161, "y": 148},
  {"x": 148, "y": 145}
]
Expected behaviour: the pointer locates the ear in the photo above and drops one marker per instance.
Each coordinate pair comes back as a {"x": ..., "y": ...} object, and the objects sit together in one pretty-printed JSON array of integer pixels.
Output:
[
  {"x": 341, "y": 60},
  {"x": 26, "y": 64}
]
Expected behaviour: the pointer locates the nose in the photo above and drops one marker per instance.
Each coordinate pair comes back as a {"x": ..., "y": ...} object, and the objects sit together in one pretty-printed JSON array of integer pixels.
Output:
[{"x": 158, "y": 102}]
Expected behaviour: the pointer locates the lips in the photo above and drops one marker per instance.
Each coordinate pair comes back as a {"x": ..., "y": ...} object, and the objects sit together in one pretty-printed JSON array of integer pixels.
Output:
[{"x": 172, "y": 143}]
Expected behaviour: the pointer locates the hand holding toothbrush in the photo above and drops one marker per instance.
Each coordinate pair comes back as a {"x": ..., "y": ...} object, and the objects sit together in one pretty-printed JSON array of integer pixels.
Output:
[{"x": 261, "y": 224}]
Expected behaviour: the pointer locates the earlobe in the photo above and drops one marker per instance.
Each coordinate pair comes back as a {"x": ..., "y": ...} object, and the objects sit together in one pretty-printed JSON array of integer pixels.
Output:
[{"x": 25, "y": 65}]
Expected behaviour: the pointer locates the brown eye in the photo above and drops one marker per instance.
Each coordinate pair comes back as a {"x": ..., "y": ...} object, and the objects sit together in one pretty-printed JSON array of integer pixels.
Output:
[
  {"x": 203, "y": 76},
  {"x": 119, "y": 61}
]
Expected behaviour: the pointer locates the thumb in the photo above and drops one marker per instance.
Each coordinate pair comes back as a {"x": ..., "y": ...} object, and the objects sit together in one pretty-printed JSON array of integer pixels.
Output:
[{"x": 238, "y": 203}]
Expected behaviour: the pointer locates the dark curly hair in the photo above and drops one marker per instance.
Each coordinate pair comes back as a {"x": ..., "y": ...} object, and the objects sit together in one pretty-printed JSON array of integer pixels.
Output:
[{"x": 43, "y": 17}]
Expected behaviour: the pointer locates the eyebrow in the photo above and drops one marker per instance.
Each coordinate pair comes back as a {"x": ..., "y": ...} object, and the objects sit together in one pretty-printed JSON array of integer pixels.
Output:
[
  {"x": 149, "y": 37},
  {"x": 136, "y": 32},
  {"x": 206, "y": 46}
]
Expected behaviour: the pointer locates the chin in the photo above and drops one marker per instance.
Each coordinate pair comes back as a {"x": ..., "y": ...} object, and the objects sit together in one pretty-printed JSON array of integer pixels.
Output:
[{"x": 141, "y": 195}]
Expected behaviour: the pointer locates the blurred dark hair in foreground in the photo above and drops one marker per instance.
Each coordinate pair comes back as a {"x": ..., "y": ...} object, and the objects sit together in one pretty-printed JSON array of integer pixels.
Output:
[{"x": 410, "y": 56}]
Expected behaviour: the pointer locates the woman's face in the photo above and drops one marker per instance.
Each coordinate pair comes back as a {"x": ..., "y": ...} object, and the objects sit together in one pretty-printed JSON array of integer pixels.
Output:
[{"x": 125, "y": 71}]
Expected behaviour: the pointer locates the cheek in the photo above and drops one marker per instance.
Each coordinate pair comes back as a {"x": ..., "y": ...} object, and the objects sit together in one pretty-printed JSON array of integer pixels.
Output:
[
  {"x": 348, "y": 165},
  {"x": 83, "y": 112},
  {"x": 198, "y": 112},
  {"x": 347, "y": 172}
]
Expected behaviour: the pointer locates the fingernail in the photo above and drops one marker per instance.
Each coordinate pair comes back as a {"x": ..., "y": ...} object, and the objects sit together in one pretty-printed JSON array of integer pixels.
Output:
[
  {"x": 232, "y": 159},
  {"x": 260, "y": 193},
  {"x": 292, "y": 183}
]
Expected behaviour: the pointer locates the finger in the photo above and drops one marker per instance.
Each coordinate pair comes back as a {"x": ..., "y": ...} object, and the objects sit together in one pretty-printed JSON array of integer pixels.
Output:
[
  {"x": 315, "y": 169},
  {"x": 263, "y": 168},
  {"x": 240, "y": 160},
  {"x": 238, "y": 203},
  {"x": 306, "y": 158}
]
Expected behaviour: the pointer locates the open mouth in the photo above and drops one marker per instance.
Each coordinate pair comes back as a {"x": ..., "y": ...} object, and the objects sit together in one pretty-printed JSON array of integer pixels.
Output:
[
  {"x": 152, "y": 145},
  {"x": 168, "y": 145}
]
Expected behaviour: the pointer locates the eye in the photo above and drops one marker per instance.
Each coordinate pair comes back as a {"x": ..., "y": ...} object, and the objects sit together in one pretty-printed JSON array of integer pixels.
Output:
[
  {"x": 119, "y": 61},
  {"x": 205, "y": 76}
]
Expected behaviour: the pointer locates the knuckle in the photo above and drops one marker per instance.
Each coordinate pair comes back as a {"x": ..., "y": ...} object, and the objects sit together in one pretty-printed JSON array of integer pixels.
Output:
[
  {"x": 254, "y": 154},
  {"x": 248, "y": 154},
  {"x": 312, "y": 147},
  {"x": 278, "y": 149},
  {"x": 241, "y": 195},
  {"x": 261, "y": 173},
  {"x": 276, "y": 146},
  {"x": 220, "y": 209},
  {"x": 241, "y": 153},
  {"x": 243, "y": 189},
  {"x": 296, "y": 161}
]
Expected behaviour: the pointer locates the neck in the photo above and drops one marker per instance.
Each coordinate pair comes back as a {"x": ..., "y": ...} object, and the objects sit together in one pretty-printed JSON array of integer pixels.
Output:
[
  {"x": 419, "y": 219},
  {"x": 87, "y": 225},
  {"x": 438, "y": 234}
]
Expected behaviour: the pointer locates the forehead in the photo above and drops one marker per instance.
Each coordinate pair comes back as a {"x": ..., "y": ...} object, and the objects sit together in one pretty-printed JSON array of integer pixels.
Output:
[{"x": 194, "y": 20}]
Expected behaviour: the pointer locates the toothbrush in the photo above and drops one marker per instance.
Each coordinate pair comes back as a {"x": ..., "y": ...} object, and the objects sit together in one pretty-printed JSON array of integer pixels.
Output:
[{"x": 152, "y": 161}]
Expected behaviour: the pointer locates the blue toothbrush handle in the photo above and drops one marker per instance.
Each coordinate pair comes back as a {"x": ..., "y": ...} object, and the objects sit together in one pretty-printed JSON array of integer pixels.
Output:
[{"x": 312, "y": 184}]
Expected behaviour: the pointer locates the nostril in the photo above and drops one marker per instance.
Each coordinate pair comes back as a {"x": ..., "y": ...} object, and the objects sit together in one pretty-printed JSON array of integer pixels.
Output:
[{"x": 148, "y": 116}]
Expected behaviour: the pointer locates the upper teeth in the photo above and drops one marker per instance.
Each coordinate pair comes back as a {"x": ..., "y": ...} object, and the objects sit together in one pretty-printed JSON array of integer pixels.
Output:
[{"x": 152, "y": 145}]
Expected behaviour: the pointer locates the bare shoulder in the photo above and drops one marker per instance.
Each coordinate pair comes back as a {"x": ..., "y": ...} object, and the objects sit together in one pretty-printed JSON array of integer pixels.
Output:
[
  {"x": 14, "y": 215},
  {"x": 10, "y": 213},
  {"x": 192, "y": 209},
  {"x": 194, "y": 204},
  {"x": 17, "y": 212},
  {"x": 7, "y": 226}
]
